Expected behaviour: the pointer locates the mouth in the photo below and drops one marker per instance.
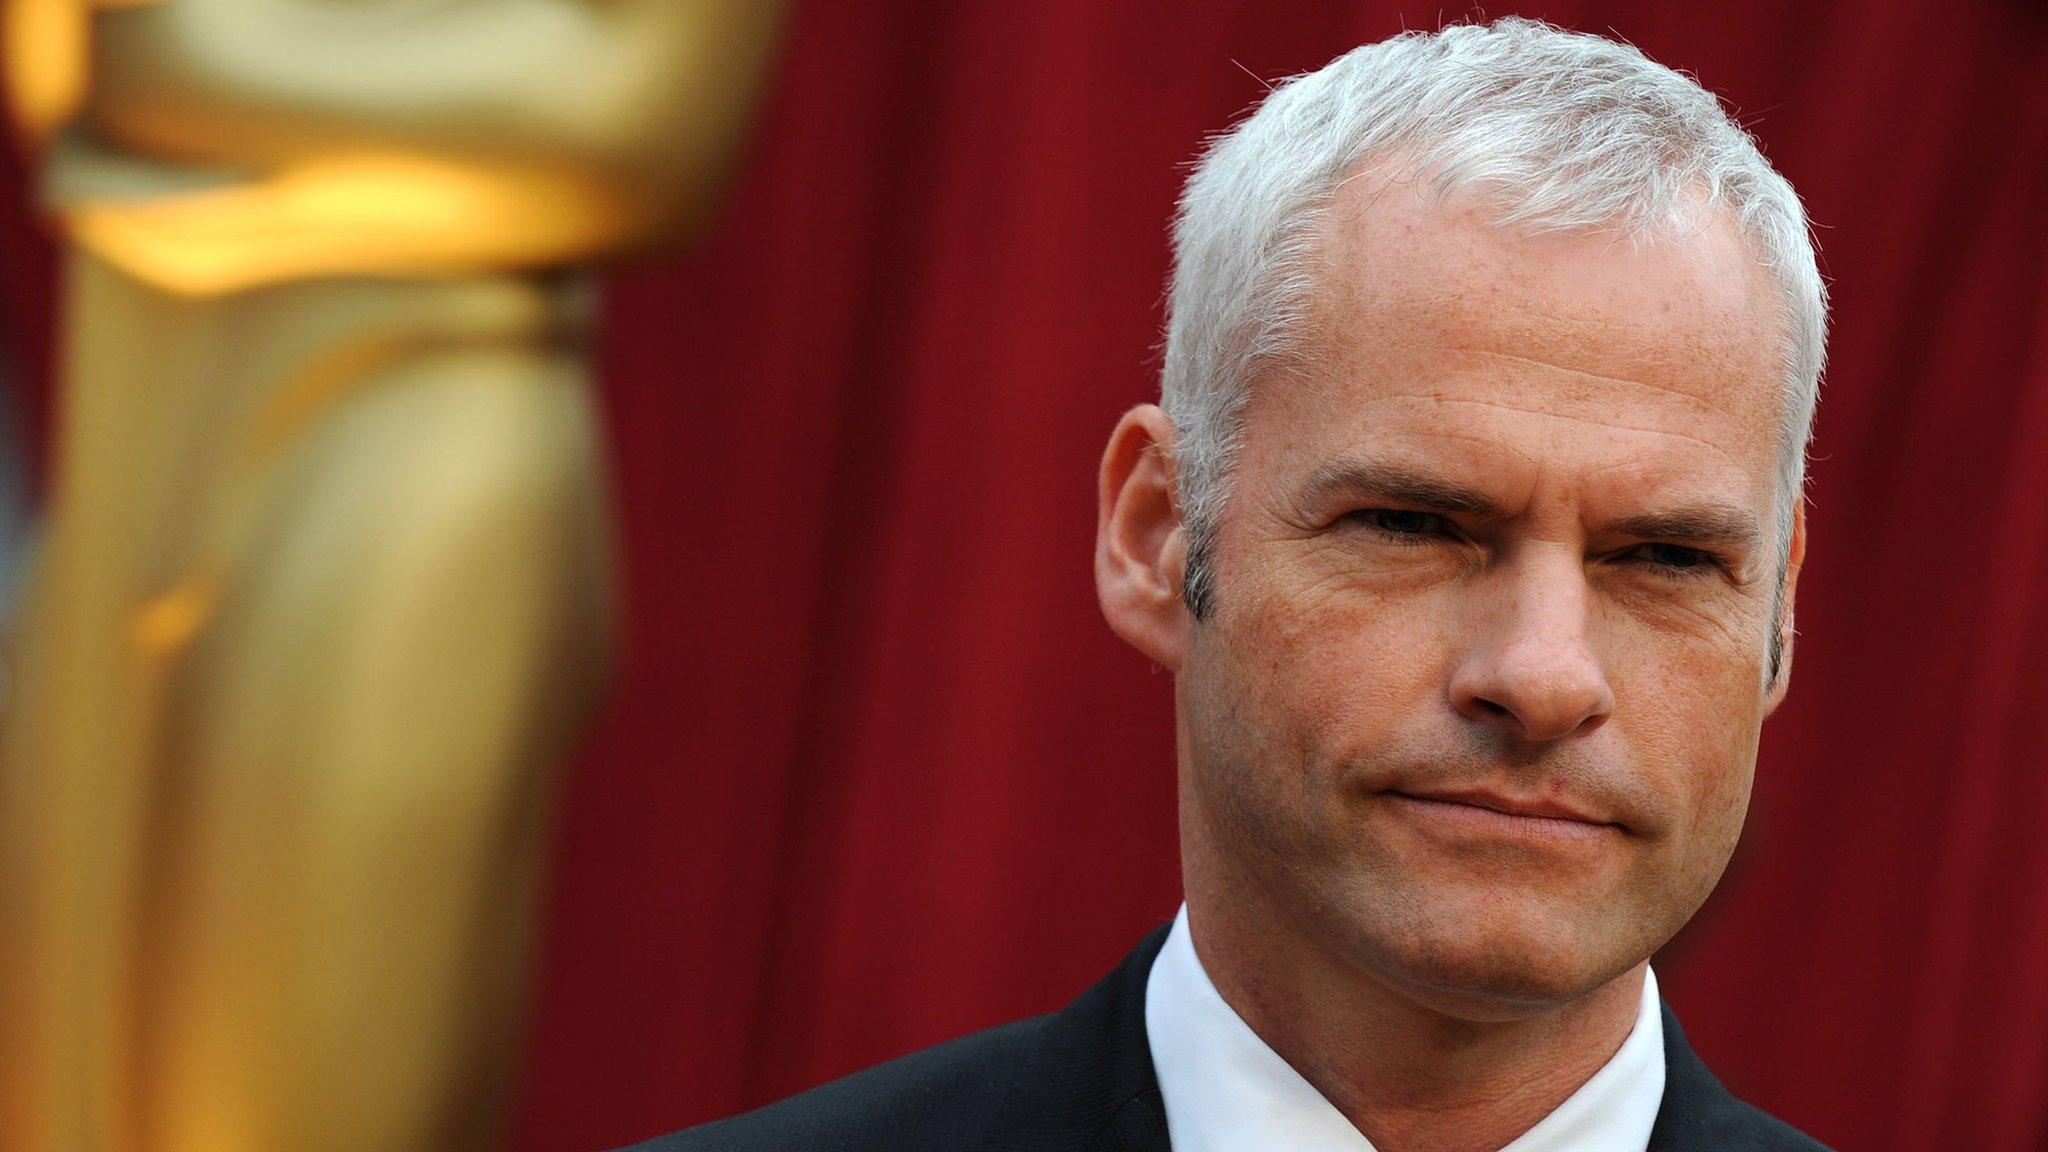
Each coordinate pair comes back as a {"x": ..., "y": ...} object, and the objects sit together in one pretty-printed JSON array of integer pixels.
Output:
[{"x": 1493, "y": 814}]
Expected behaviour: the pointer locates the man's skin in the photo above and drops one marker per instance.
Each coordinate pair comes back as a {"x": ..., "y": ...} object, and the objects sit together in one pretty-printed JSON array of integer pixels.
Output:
[{"x": 1504, "y": 535}]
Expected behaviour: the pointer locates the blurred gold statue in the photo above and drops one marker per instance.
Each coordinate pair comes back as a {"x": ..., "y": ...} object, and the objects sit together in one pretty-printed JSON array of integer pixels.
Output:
[{"x": 323, "y": 591}]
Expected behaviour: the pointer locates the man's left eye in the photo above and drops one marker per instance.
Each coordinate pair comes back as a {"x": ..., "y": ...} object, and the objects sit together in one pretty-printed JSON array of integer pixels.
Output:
[{"x": 1676, "y": 558}]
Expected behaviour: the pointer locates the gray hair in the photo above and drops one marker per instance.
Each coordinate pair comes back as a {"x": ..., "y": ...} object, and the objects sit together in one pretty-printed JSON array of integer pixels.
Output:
[{"x": 1554, "y": 131}]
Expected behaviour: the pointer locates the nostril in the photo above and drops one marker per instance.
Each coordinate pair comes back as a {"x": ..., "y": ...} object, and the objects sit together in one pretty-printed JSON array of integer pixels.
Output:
[{"x": 1532, "y": 693}]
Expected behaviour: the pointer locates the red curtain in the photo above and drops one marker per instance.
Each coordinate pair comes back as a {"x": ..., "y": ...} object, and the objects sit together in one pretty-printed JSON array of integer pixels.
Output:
[{"x": 876, "y": 774}]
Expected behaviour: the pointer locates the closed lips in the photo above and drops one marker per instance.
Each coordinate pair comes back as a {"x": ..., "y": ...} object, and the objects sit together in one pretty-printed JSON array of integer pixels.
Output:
[{"x": 1535, "y": 808}]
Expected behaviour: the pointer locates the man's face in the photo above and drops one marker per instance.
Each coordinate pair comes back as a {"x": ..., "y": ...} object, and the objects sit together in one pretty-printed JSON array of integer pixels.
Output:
[{"x": 1476, "y": 706}]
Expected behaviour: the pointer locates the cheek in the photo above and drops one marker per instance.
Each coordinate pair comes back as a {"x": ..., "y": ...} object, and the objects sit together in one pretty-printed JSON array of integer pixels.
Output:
[
  {"x": 1697, "y": 856},
  {"x": 1691, "y": 718},
  {"x": 1333, "y": 661},
  {"x": 1720, "y": 792},
  {"x": 1294, "y": 689}
]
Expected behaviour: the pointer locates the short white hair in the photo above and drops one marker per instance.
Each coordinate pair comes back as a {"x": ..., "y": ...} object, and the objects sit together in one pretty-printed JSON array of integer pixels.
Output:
[{"x": 1549, "y": 131}]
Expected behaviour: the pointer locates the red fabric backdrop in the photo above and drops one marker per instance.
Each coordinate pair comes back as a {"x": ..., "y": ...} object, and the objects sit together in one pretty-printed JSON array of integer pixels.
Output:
[{"x": 876, "y": 774}]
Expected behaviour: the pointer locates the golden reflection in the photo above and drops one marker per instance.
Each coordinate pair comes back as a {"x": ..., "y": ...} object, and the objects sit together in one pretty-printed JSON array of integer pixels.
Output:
[{"x": 357, "y": 215}]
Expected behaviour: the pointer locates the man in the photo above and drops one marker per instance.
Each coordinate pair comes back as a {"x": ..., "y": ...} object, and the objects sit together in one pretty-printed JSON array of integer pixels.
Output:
[{"x": 1469, "y": 526}]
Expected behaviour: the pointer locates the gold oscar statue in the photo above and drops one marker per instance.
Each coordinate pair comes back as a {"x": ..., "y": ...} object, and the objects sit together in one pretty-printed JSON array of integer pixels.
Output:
[{"x": 322, "y": 593}]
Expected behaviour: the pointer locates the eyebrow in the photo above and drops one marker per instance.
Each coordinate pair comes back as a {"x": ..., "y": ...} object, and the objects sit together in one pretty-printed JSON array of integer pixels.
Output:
[
  {"x": 1717, "y": 524},
  {"x": 1720, "y": 524},
  {"x": 1379, "y": 480}
]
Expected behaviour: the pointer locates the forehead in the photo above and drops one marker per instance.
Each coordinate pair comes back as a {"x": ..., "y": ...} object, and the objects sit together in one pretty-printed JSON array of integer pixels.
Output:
[{"x": 1429, "y": 328}]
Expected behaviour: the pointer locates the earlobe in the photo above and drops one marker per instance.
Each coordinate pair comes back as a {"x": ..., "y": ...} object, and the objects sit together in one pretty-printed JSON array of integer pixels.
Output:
[
  {"x": 1785, "y": 634},
  {"x": 1140, "y": 546}
]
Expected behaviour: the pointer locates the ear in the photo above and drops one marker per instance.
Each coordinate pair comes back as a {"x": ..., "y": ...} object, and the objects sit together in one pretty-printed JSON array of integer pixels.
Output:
[
  {"x": 1140, "y": 545},
  {"x": 1795, "y": 556}
]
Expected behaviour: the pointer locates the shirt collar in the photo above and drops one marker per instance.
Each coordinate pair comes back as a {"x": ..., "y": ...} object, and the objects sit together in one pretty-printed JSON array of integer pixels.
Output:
[{"x": 1226, "y": 1091}]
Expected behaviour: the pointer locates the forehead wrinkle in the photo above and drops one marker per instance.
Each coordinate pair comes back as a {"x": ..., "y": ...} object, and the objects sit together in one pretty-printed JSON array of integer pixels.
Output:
[
  {"x": 1693, "y": 398},
  {"x": 1490, "y": 444},
  {"x": 1583, "y": 387},
  {"x": 1558, "y": 416}
]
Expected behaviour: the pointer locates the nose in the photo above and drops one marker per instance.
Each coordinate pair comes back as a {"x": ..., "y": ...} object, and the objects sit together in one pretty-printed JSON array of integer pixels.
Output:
[{"x": 1533, "y": 669}]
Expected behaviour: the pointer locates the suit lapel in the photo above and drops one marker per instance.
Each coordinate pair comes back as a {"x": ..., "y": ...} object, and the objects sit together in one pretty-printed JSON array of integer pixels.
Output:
[
  {"x": 1697, "y": 1114},
  {"x": 1089, "y": 1084}
]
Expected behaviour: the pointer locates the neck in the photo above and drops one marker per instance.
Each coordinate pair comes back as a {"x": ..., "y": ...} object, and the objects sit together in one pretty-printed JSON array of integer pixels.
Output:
[{"x": 1407, "y": 1074}]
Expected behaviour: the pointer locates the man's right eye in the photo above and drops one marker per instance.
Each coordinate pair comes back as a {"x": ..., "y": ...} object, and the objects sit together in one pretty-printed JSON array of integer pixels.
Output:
[{"x": 1402, "y": 523}]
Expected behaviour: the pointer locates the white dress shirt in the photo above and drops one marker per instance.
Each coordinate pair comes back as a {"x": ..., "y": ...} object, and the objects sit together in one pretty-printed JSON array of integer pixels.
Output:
[{"x": 1226, "y": 1091}]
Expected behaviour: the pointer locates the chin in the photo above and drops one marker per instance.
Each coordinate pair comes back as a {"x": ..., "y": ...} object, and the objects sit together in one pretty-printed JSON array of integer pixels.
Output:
[{"x": 1503, "y": 959}]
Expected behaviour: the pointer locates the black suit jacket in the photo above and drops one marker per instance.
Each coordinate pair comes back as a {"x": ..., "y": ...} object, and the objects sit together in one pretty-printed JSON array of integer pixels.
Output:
[{"x": 1081, "y": 1080}]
